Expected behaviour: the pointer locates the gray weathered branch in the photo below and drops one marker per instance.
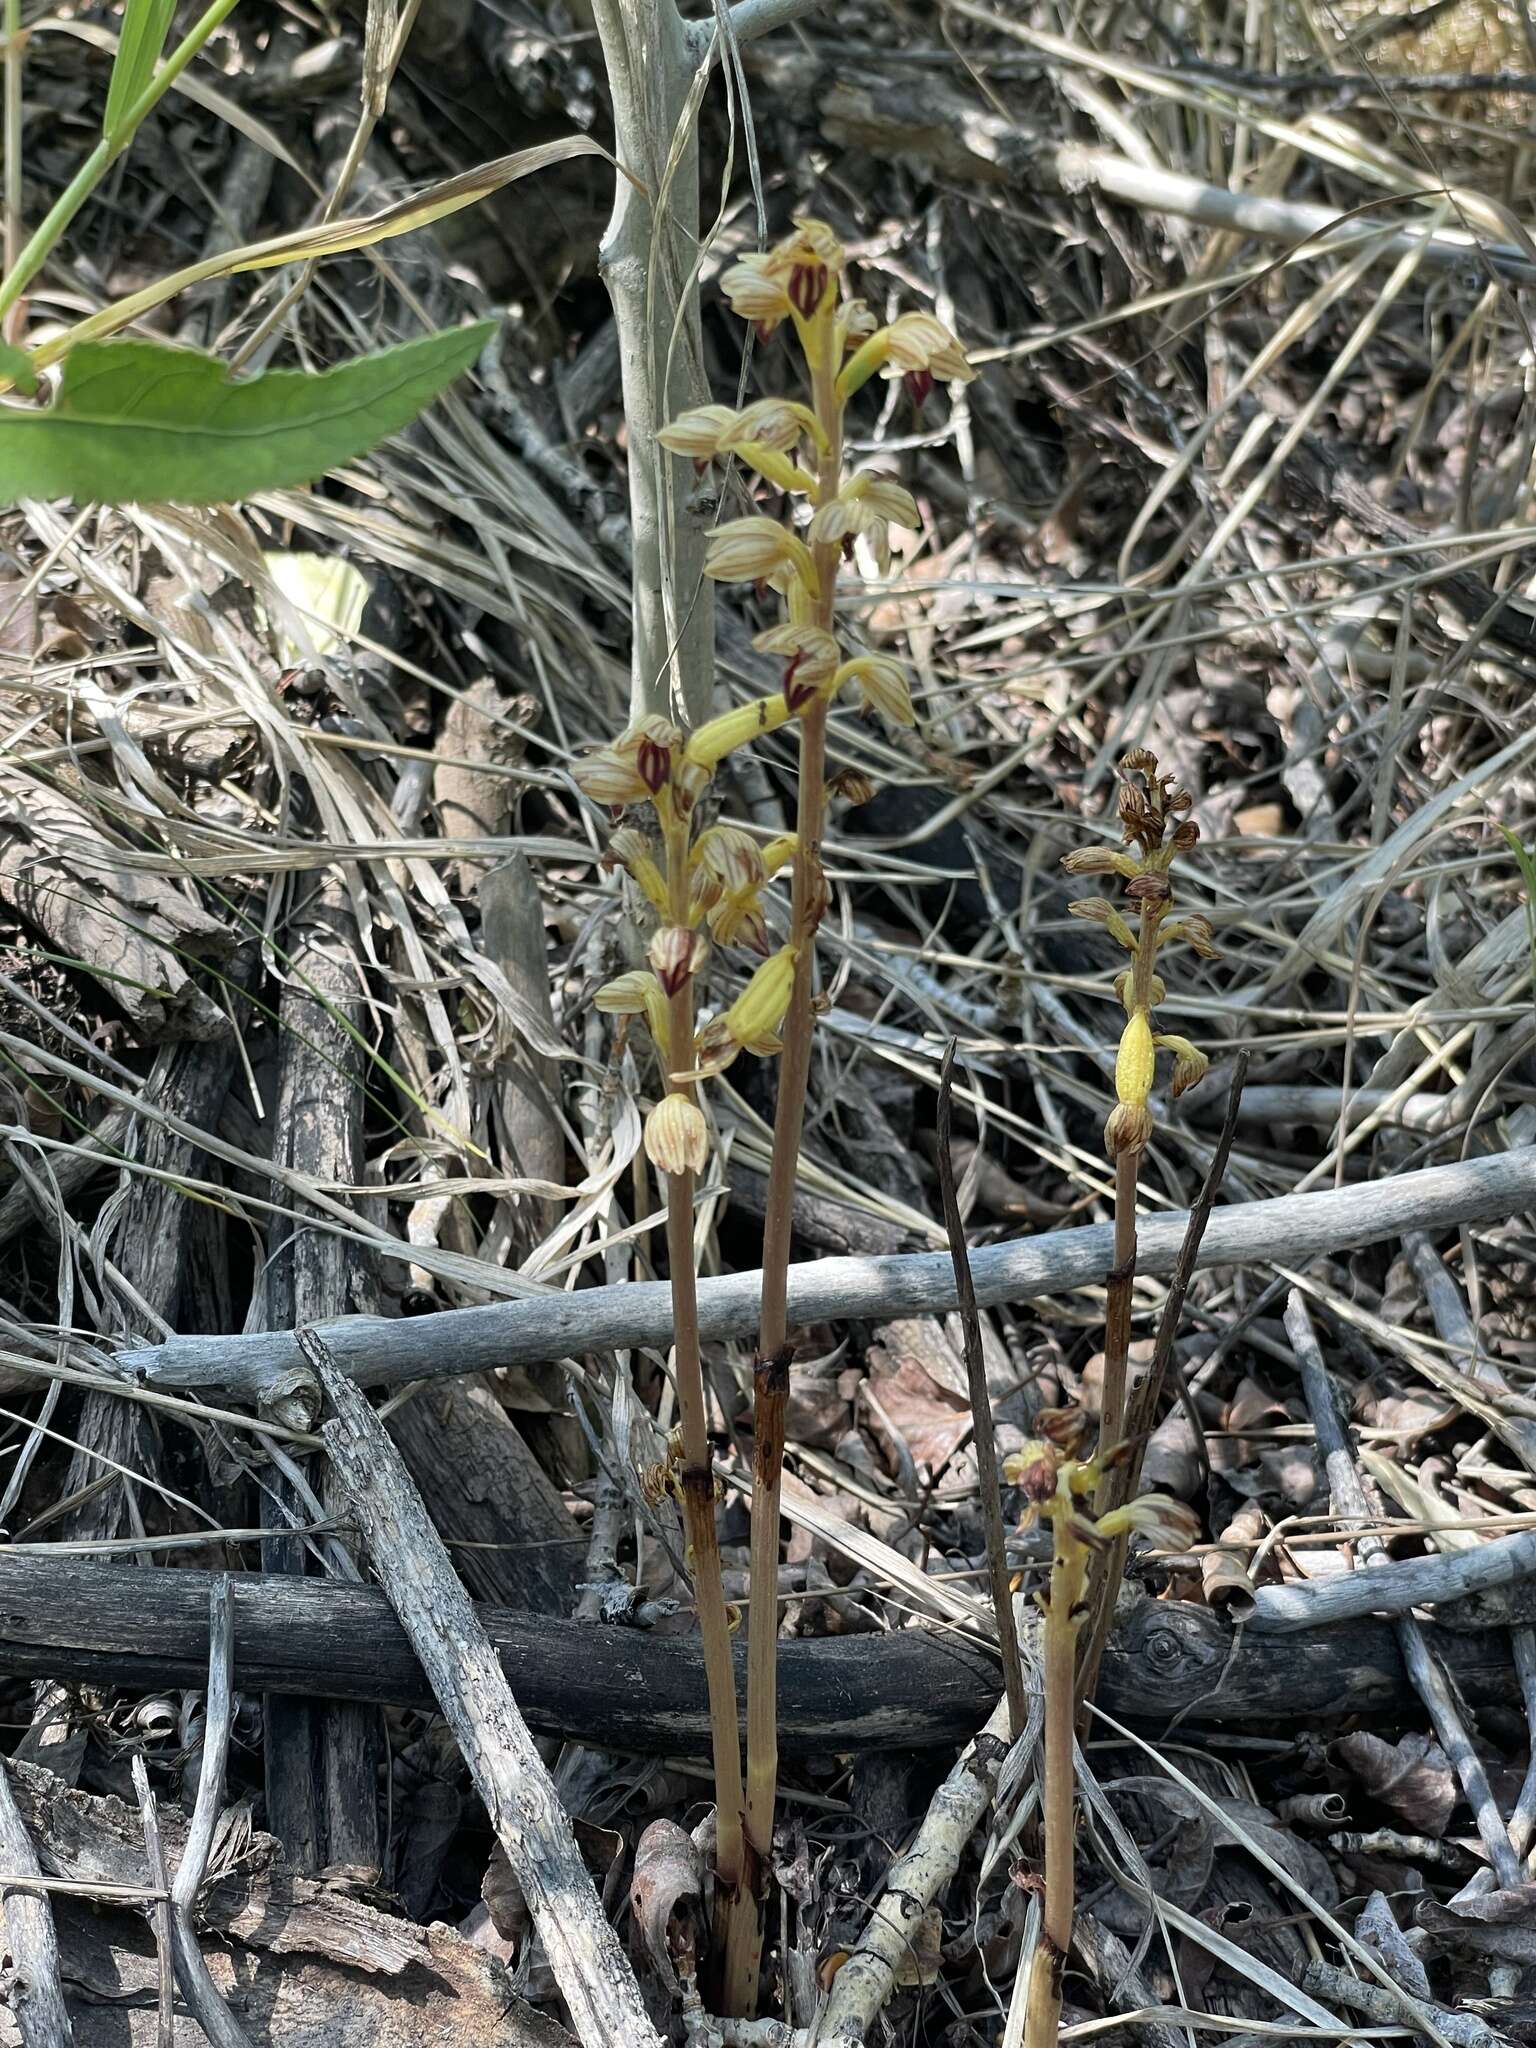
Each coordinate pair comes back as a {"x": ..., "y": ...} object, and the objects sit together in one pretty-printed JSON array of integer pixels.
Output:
[
  {"x": 584, "y": 1953},
  {"x": 1397, "y": 1588},
  {"x": 35, "y": 1994},
  {"x": 374, "y": 1351},
  {"x": 192, "y": 1973}
]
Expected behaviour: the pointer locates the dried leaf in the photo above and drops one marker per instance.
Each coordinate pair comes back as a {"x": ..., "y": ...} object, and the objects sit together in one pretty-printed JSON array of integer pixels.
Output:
[
  {"x": 666, "y": 1898},
  {"x": 1412, "y": 1777}
]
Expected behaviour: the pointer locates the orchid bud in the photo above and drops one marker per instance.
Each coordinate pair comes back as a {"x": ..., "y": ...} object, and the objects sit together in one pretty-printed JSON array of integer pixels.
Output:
[
  {"x": 1099, "y": 860},
  {"x": 1190, "y": 1064},
  {"x": 852, "y": 786},
  {"x": 676, "y": 1136},
  {"x": 676, "y": 954},
  {"x": 1128, "y": 1129},
  {"x": 1033, "y": 1470}
]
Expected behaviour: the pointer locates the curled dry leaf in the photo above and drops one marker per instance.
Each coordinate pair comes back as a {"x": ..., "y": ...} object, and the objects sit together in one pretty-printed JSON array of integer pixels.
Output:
[
  {"x": 1412, "y": 1777},
  {"x": 1224, "y": 1573},
  {"x": 666, "y": 1898}
]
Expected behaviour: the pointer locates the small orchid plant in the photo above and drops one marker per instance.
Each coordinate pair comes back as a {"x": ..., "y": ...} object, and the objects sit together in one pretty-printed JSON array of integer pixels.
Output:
[
  {"x": 707, "y": 883},
  {"x": 1083, "y": 1500},
  {"x": 1057, "y": 1484}
]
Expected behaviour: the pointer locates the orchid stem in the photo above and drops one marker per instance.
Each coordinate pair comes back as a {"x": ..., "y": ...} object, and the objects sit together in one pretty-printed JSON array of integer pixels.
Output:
[
  {"x": 770, "y": 1372},
  {"x": 698, "y": 1477}
]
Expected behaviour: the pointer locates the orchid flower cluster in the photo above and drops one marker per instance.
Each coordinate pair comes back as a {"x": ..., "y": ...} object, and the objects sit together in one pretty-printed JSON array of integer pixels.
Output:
[
  {"x": 1154, "y": 821},
  {"x": 1055, "y": 1482},
  {"x": 709, "y": 886}
]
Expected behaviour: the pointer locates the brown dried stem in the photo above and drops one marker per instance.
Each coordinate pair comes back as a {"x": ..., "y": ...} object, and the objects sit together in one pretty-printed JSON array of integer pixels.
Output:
[
  {"x": 698, "y": 1478},
  {"x": 1123, "y": 1478},
  {"x": 770, "y": 1376}
]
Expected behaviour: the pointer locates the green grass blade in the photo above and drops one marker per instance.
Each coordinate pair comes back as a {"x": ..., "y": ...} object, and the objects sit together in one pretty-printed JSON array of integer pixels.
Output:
[{"x": 146, "y": 23}]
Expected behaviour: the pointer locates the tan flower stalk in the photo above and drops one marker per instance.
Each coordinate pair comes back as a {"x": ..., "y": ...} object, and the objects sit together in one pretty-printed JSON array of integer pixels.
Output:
[
  {"x": 1156, "y": 830},
  {"x": 709, "y": 884},
  {"x": 1155, "y": 826},
  {"x": 799, "y": 449},
  {"x": 1055, "y": 1483}
]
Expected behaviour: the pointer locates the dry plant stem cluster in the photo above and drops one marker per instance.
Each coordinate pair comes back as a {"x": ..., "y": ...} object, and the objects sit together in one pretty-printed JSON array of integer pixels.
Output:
[
  {"x": 708, "y": 886},
  {"x": 1057, "y": 1484},
  {"x": 1089, "y": 1554}
]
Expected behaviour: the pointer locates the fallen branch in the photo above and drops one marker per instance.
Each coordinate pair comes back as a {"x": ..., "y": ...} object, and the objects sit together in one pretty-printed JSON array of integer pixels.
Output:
[
  {"x": 914, "y": 1881},
  {"x": 621, "y": 1688},
  {"x": 888, "y": 117},
  {"x": 470, "y": 1686},
  {"x": 1353, "y": 1509},
  {"x": 376, "y": 1352},
  {"x": 34, "y": 1993},
  {"x": 1396, "y": 1588},
  {"x": 197, "y": 1986}
]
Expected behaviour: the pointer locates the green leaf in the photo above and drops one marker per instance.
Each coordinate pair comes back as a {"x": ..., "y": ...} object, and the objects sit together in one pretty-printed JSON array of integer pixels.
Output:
[
  {"x": 139, "y": 44},
  {"x": 16, "y": 364},
  {"x": 135, "y": 423}
]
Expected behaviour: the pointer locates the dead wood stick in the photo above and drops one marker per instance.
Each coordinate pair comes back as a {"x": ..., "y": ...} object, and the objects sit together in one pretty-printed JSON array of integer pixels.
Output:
[
  {"x": 1455, "y": 1325},
  {"x": 589, "y": 1964},
  {"x": 36, "y": 1993},
  {"x": 160, "y": 1912},
  {"x": 376, "y": 1352},
  {"x": 1352, "y": 1508},
  {"x": 197, "y": 1986},
  {"x": 148, "y": 1248},
  {"x": 914, "y": 1880},
  {"x": 890, "y": 118},
  {"x": 626, "y": 1689},
  {"x": 1396, "y": 1586},
  {"x": 321, "y": 1762},
  {"x": 1394, "y": 2007}
]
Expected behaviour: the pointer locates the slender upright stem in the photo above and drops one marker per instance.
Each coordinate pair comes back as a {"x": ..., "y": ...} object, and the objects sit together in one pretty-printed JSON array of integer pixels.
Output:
[
  {"x": 770, "y": 1376},
  {"x": 13, "y": 131},
  {"x": 1110, "y": 1566},
  {"x": 1042, "y": 2012},
  {"x": 1117, "y": 1308},
  {"x": 1123, "y": 1479},
  {"x": 698, "y": 1477},
  {"x": 981, "y": 1408}
]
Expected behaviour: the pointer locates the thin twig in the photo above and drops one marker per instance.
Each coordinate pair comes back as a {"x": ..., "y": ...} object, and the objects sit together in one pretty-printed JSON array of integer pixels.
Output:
[
  {"x": 160, "y": 1911},
  {"x": 375, "y": 1351},
  {"x": 1353, "y": 1510},
  {"x": 203, "y": 1996},
  {"x": 981, "y": 1408}
]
